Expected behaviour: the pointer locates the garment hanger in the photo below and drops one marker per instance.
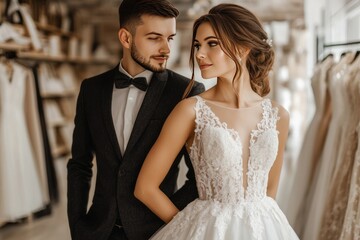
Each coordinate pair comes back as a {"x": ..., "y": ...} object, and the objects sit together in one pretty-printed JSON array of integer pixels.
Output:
[
  {"x": 327, "y": 56},
  {"x": 7, "y": 60},
  {"x": 10, "y": 54},
  {"x": 356, "y": 56},
  {"x": 343, "y": 54}
]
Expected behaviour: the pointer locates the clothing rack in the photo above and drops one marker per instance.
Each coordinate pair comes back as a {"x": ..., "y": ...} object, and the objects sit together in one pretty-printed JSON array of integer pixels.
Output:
[
  {"x": 49, "y": 162},
  {"x": 329, "y": 45},
  {"x": 341, "y": 44}
]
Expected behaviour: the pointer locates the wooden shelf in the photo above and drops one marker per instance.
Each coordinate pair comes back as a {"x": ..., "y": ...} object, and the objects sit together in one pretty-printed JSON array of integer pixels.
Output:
[
  {"x": 58, "y": 95},
  {"x": 39, "y": 56},
  {"x": 54, "y": 30},
  {"x": 90, "y": 61},
  {"x": 31, "y": 55},
  {"x": 23, "y": 53},
  {"x": 14, "y": 46}
]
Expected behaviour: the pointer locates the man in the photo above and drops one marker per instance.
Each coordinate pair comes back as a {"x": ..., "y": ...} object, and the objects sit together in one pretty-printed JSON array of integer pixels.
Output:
[{"x": 119, "y": 123}]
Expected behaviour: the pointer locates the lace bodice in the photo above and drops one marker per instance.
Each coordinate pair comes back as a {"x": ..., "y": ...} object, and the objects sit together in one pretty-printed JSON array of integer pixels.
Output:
[{"x": 217, "y": 156}]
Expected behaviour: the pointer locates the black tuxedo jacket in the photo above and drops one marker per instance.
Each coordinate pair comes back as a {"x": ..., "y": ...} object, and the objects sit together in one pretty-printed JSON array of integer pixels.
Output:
[{"x": 94, "y": 135}]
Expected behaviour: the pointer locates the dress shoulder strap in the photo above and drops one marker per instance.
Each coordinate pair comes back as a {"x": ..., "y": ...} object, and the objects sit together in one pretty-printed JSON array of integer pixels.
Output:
[
  {"x": 200, "y": 114},
  {"x": 270, "y": 114},
  {"x": 204, "y": 116},
  {"x": 268, "y": 121}
]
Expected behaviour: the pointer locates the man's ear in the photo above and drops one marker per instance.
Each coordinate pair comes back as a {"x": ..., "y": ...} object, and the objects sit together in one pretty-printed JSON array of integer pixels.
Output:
[{"x": 125, "y": 37}]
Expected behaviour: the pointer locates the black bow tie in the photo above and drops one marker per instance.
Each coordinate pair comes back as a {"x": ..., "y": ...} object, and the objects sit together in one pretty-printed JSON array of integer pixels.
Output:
[{"x": 124, "y": 81}]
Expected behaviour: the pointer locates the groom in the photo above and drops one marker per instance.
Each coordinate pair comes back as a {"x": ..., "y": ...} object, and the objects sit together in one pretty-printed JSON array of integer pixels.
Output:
[{"x": 118, "y": 120}]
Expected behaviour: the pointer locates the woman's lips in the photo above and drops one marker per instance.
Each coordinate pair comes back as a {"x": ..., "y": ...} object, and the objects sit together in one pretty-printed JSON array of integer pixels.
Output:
[{"x": 204, "y": 66}]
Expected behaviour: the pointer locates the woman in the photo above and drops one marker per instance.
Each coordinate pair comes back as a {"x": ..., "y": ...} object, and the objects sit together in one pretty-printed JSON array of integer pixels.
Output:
[{"x": 235, "y": 137}]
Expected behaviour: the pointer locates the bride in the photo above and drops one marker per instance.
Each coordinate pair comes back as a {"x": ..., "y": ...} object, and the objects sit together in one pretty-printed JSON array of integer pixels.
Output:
[{"x": 234, "y": 135}]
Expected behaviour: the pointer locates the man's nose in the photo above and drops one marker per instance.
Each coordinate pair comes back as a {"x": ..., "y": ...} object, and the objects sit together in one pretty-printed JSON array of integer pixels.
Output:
[{"x": 165, "y": 48}]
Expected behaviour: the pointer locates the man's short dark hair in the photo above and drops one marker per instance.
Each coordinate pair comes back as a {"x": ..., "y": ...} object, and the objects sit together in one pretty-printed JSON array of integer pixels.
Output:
[{"x": 130, "y": 11}]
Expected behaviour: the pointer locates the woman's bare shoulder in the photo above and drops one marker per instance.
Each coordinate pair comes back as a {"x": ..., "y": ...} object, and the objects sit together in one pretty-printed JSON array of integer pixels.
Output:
[
  {"x": 282, "y": 112},
  {"x": 186, "y": 108},
  {"x": 188, "y": 103}
]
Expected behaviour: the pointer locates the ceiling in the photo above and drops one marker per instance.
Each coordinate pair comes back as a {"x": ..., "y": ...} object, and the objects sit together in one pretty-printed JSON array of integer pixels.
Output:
[
  {"x": 102, "y": 11},
  {"x": 266, "y": 10}
]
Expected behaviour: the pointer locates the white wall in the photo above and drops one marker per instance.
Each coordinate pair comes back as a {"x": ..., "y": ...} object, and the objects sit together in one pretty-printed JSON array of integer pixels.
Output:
[
  {"x": 336, "y": 21},
  {"x": 313, "y": 19}
]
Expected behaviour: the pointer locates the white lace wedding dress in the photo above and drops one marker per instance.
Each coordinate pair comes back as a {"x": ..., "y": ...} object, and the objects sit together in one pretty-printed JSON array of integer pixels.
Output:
[{"x": 225, "y": 209}]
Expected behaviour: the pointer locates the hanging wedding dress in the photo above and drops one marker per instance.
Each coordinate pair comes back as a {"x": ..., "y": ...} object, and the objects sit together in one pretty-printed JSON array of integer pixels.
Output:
[
  {"x": 351, "y": 226},
  {"x": 314, "y": 205},
  {"x": 33, "y": 121},
  {"x": 20, "y": 188},
  {"x": 225, "y": 154},
  {"x": 335, "y": 210},
  {"x": 305, "y": 163}
]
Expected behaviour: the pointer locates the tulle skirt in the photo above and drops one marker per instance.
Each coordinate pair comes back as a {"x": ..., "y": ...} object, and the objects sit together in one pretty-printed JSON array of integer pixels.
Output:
[{"x": 212, "y": 220}]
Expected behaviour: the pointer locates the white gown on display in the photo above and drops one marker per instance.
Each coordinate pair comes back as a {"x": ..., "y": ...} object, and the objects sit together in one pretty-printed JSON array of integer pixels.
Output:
[
  {"x": 20, "y": 191},
  {"x": 305, "y": 162},
  {"x": 319, "y": 190},
  {"x": 225, "y": 209}
]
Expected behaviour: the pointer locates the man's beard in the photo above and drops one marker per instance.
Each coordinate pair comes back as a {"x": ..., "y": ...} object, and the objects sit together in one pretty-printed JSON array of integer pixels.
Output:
[{"x": 141, "y": 61}]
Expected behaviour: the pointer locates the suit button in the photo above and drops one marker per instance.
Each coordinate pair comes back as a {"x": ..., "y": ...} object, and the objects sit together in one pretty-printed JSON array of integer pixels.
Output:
[{"x": 122, "y": 173}]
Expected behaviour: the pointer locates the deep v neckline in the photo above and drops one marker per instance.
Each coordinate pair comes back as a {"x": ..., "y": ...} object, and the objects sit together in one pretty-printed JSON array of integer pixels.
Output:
[{"x": 254, "y": 133}]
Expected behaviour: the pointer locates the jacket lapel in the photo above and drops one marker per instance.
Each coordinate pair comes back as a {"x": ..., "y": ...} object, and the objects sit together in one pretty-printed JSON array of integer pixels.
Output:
[
  {"x": 147, "y": 108},
  {"x": 106, "y": 107}
]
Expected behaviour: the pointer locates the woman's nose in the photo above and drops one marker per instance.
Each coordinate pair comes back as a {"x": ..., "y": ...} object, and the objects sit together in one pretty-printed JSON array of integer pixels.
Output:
[{"x": 200, "y": 55}]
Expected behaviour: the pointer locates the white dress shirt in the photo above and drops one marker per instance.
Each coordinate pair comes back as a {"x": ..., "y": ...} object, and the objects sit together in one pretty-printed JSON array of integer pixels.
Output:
[{"x": 126, "y": 103}]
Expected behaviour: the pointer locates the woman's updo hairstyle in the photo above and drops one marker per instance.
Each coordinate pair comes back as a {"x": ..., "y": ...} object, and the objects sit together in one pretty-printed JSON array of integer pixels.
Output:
[{"x": 239, "y": 30}]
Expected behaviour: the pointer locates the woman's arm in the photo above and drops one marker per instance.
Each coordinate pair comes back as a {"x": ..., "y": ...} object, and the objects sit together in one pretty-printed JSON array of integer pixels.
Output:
[
  {"x": 178, "y": 127},
  {"x": 274, "y": 175}
]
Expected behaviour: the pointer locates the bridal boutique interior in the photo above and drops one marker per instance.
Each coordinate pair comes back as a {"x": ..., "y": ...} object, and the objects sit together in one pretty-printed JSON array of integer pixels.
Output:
[{"x": 47, "y": 47}]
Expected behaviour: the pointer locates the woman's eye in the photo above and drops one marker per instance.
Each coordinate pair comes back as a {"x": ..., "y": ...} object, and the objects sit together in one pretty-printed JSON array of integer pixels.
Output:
[
  {"x": 213, "y": 44},
  {"x": 197, "y": 46}
]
